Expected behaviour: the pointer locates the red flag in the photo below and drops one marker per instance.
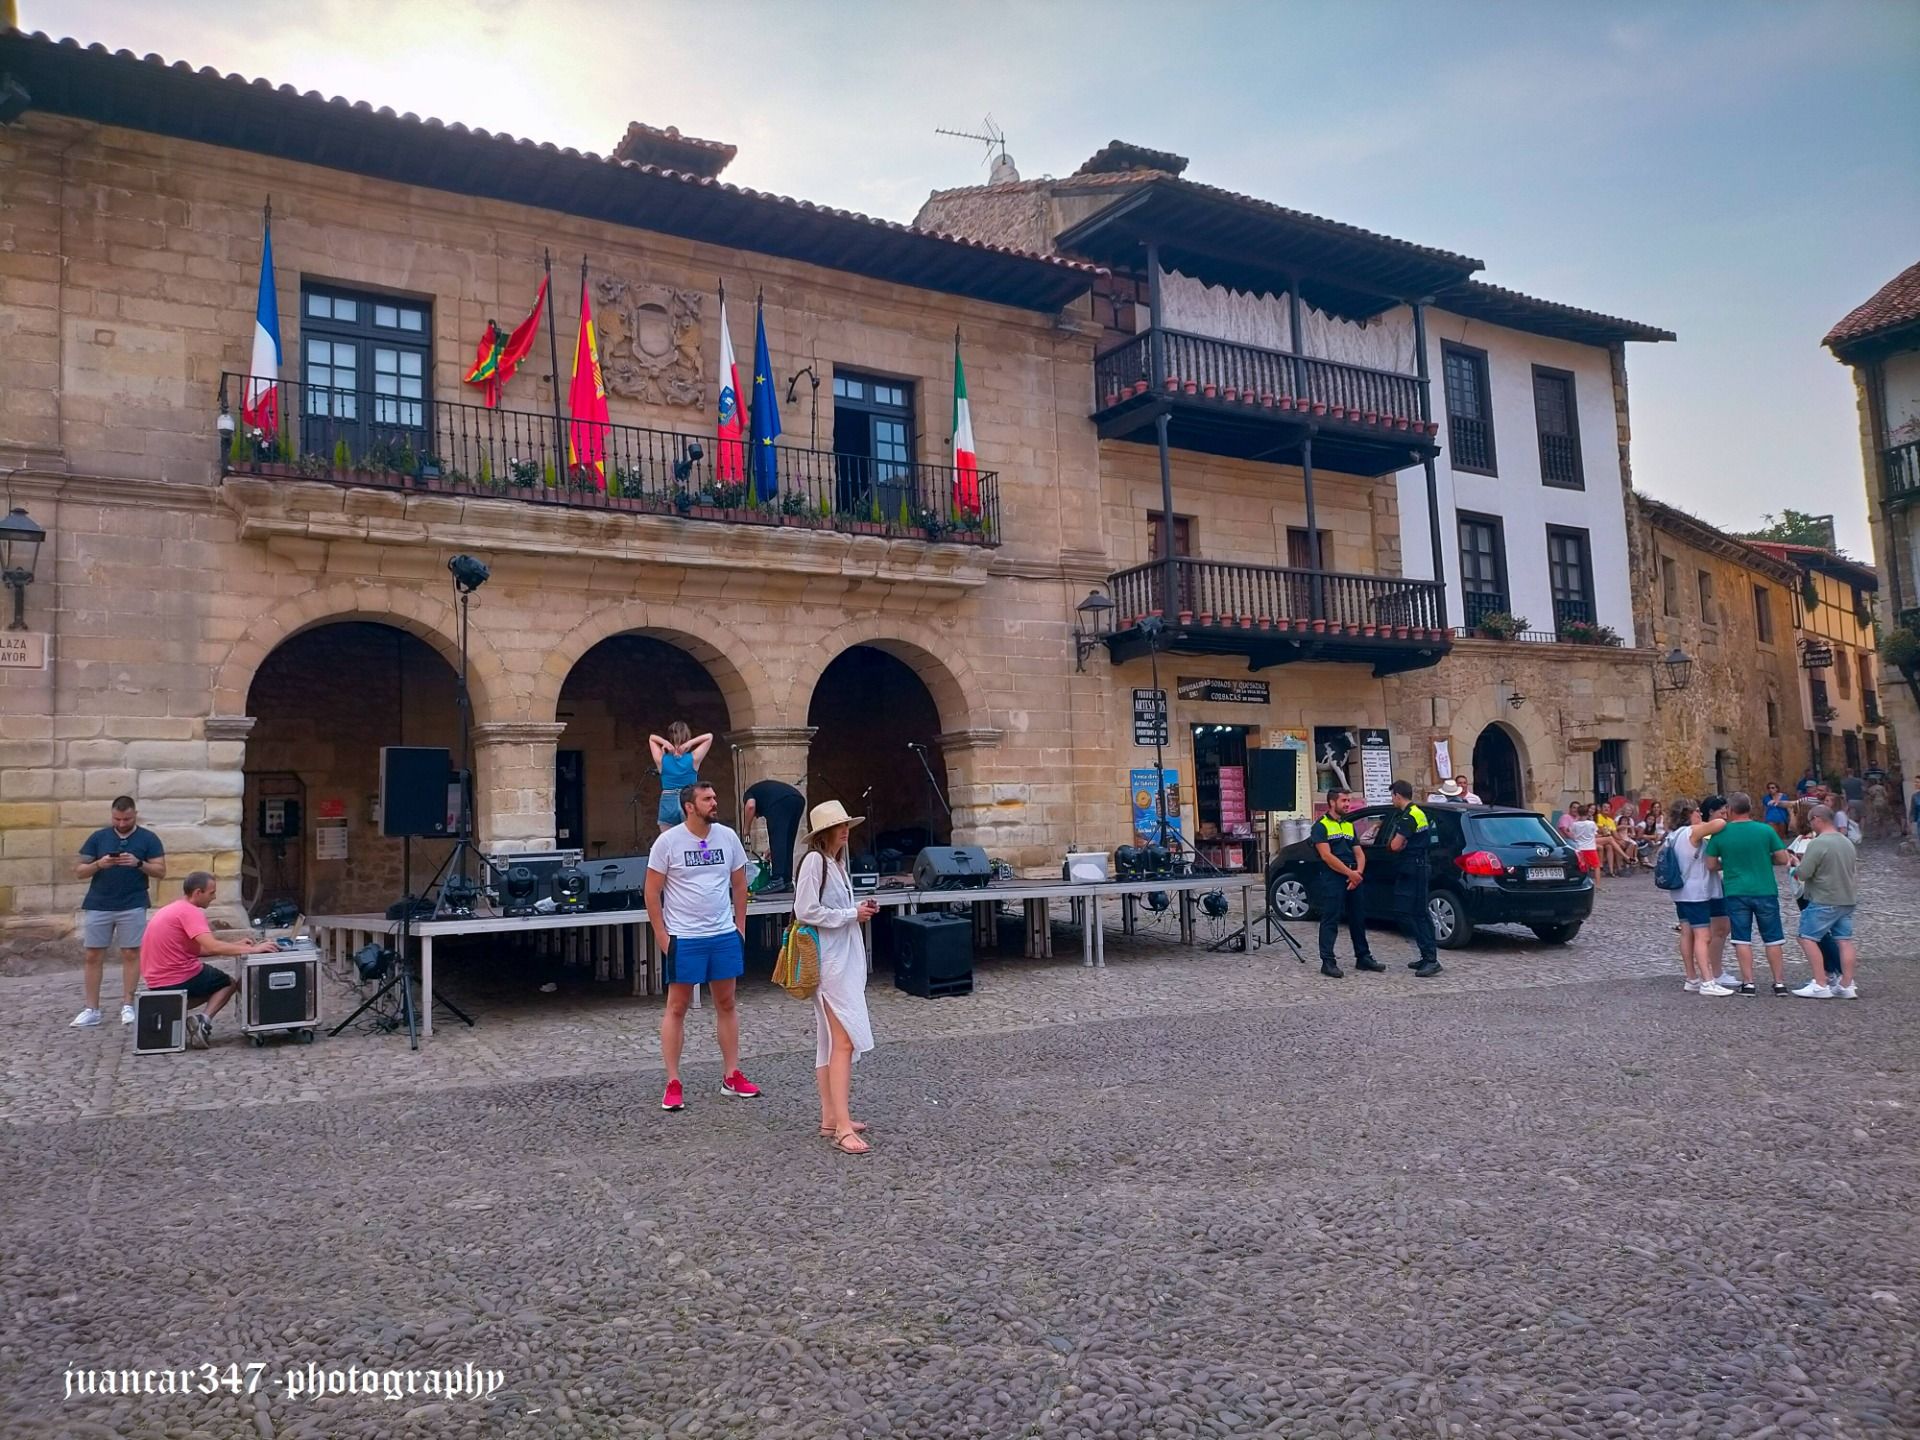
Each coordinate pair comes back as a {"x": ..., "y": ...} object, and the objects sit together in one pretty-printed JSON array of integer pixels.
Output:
[
  {"x": 730, "y": 464},
  {"x": 587, "y": 401},
  {"x": 498, "y": 358}
]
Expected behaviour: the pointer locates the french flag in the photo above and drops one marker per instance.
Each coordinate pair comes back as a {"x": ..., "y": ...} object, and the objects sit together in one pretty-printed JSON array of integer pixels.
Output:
[{"x": 260, "y": 405}]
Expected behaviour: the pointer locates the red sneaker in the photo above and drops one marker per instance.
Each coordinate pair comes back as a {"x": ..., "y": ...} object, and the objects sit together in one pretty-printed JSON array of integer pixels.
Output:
[
  {"x": 672, "y": 1099},
  {"x": 739, "y": 1087}
]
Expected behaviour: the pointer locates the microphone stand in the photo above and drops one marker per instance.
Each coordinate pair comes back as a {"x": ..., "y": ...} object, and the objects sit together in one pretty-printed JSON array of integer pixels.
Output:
[{"x": 933, "y": 789}]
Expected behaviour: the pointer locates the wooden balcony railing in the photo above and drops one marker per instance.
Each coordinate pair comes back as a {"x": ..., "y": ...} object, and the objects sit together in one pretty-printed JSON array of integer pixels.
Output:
[
  {"x": 378, "y": 439},
  {"x": 1257, "y": 379},
  {"x": 1269, "y": 597},
  {"x": 1903, "y": 472}
]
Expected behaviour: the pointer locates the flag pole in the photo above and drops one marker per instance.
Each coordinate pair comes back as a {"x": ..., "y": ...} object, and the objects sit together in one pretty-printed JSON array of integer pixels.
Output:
[{"x": 553, "y": 349}]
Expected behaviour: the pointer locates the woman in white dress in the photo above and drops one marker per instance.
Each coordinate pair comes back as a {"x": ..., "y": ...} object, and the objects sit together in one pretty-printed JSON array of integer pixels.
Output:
[{"x": 823, "y": 898}]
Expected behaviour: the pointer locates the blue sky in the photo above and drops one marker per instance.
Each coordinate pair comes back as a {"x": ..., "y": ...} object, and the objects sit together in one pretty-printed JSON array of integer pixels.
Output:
[{"x": 1741, "y": 173}]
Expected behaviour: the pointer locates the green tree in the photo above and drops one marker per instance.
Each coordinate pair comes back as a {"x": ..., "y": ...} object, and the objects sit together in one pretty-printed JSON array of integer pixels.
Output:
[{"x": 1795, "y": 527}]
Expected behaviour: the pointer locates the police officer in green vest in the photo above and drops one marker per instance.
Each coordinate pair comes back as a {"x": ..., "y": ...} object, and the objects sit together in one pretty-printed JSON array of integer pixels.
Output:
[
  {"x": 1336, "y": 888},
  {"x": 1411, "y": 833}
]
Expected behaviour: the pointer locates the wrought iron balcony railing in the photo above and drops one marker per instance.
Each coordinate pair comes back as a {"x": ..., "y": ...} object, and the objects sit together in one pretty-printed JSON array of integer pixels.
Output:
[
  {"x": 1478, "y": 604},
  {"x": 1560, "y": 460},
  {"x": 1256, "y": 379},
  {"x": 369, "y": 438},
  {"x": 1470, "y": 442}
]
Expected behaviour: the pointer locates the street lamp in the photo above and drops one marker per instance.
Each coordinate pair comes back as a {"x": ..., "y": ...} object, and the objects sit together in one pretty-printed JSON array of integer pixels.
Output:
[
  {"x": 1677, "y": 666},
  {"x": 1092, "y": 623},
  {"x": 19, "y": 547}
]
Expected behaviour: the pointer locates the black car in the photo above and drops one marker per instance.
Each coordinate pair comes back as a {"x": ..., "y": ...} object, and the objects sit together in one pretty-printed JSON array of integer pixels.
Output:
[{"x": 1489, "y": 866}]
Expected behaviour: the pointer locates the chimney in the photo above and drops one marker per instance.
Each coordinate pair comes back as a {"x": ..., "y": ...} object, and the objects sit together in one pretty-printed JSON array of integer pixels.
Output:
[{"x": 1003, "y": 172}]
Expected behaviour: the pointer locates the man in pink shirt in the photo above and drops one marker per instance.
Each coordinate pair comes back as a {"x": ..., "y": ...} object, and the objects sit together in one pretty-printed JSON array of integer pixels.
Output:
[{"x": 177, "y": 936}]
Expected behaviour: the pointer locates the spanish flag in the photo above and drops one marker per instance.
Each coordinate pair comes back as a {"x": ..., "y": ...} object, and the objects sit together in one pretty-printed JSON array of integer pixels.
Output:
[{"x": 587, "y": 419}]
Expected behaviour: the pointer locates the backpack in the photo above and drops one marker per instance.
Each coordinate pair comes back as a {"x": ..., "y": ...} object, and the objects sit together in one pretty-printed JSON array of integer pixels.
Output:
[{"x": 1667, "y": 874}]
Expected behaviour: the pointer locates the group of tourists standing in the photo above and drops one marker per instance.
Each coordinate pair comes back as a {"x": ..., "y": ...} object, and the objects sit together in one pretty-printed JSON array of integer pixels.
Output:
[{"x": 1720, "y": 863}]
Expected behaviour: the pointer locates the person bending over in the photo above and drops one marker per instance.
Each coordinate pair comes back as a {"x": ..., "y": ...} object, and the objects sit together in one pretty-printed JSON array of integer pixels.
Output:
[{"x": 172, "y": 950}]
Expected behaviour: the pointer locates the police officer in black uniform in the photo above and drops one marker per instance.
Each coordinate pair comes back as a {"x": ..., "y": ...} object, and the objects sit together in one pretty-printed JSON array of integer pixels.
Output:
[
  {"x": 1412, "y": 841},
  {"x": 1337, "y": 886}
]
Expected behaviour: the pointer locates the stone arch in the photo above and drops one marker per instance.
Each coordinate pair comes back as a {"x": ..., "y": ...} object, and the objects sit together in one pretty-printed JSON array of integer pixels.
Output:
[
  {"x": 934, "y": 657},
  {"x": 1528, "y": 734},
  {"x": 424, "y": 616},
  {"x": 742, "y": 681}
]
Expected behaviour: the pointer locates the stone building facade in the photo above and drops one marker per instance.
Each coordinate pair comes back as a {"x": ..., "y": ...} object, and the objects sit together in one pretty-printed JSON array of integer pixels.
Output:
[{"x": 1731, "y": 608}]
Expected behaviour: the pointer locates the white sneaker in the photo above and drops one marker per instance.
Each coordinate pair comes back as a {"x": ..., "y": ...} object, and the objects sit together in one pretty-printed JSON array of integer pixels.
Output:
[
  {"x": 1814, "y": 990},
  {"x": 199, "y": 1032},
  {"x": 1847, "y": 992},
  {"x": 88, "y": 1016},
  {"x": 1692, "y": 987},
  {"x": 126, "y": 1014},
  {"x": 1731, "y": 982},
  {"x": 1711, "y": 987}
]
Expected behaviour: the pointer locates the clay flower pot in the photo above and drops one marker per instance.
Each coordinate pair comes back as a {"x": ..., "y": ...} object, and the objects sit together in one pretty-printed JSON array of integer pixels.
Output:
[
  {"x": 1319, "y": 627},
  {"x": 1369, "y": 630},
  {"x": 1206, "y": 617},
  {"x": 1319, "y": 407},
  {"x": 1337, "y": 412},
  {"x": 1186, "y": 617},
  {"x": 1401, "y": 632},
  {"x": 1265, "y": 622},
  {"x": 1373, "y": 417},
  {"x": 1192, "y": 387},
  {"x": 1173, "y": 386},
  {"x": 1246, "y": 622},
  {"x": 1231, "y": 394},
  {"x": 1210, "y": 390},
  {"x": 1139, "y": 387}
]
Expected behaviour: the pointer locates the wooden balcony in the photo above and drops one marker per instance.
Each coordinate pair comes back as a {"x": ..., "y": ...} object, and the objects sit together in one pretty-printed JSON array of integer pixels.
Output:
[
  {"x": 1274, "y": 615},
  {"x": 1902, "y": 468},
  {"x": 1224, "y": 398}
]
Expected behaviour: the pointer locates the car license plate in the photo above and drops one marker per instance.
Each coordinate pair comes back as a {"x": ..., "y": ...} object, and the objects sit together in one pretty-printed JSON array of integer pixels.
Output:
[{"x": 1545, "y": 872}]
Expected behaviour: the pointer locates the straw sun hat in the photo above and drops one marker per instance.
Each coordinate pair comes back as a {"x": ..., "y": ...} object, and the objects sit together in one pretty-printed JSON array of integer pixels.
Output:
[{"x": 827, "y": 815}]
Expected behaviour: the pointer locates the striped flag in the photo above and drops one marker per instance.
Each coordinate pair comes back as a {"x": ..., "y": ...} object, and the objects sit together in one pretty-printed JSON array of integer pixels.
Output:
[
  {"x": 966, "y": 461},
  {"x": 587, "y": 417},
  {"x": 260, "y": 404},
  {"x": 730, "y": 465}
]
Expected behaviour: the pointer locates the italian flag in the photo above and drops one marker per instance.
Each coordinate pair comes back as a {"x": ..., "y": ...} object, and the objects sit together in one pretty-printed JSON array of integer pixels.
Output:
[{"x": 966, "y": 462}]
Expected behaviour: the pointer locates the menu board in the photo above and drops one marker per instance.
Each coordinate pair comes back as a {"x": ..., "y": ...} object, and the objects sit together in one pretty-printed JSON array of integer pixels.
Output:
[{"x": 1376, "y": 766}]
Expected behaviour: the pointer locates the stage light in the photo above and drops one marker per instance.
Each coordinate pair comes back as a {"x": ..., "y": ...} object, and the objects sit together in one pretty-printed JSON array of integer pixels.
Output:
[
  {"x": 683, "y": 467},
  {"x": 468, "y": 573},
  {"x": 1159, "y": 901},
  {"x": 520, "y": 891},
  {"x": 1127, "y": 861},
  {"x": 373, "y": 960},
  {"x": 1214, "y": 903}
]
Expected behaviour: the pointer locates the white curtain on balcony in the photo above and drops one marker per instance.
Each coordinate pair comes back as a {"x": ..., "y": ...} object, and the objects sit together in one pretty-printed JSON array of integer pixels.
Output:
[
  {"x": 1385, "y": 343},
  {"x": 1202, "y": 309}
]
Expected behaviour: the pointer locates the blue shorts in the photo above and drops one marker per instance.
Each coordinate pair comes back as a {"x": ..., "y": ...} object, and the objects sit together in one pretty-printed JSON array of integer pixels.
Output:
[
  {"x": 1822, "y": 922},
  {"x": 706, "y": 959},
  {"x": 1717, "y": 907},
  {"x": 1744, "y": 911},
  {"x": 1694, "y": 912},
  {"x": 670, "y": 812}
]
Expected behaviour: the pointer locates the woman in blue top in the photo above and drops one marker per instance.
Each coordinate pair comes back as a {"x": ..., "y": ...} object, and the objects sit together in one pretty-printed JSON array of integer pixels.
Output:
[{"x": 677, "y": 757}]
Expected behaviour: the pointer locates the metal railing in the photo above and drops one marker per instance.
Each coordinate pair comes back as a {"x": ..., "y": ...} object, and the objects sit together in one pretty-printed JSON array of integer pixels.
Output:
[
  {"x": 1470, "y": 442},
  {"x": 1571, "y": 612},
  {"x": 365, "y": 438},
  {"x": 1249, "y": 375},
  {"x": 1478, "y": 604},
  {"x": 1903, "y": 471},
  {"x": 1225, "y": 595}
]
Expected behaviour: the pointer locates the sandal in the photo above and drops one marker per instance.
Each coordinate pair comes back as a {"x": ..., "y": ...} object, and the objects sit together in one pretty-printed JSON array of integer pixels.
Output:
[
  {"x": 851, "y": 1144},
  {"x": 827, "y": 1131}
]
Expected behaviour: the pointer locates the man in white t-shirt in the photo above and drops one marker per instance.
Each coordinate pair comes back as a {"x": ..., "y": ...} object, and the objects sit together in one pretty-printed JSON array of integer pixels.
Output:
[{"x": 697, "y": 905}]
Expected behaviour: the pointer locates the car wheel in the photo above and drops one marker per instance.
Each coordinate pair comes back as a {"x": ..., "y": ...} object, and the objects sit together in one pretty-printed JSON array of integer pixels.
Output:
[
  {"x": 1287, "y": 898},
  {"x": 1556, "y": 934},
  {"x": 1451, "y": 928}
]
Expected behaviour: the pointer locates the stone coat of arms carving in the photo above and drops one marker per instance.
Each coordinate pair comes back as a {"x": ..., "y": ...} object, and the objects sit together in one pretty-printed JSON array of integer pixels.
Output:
[{"x": 649, "y": 341}]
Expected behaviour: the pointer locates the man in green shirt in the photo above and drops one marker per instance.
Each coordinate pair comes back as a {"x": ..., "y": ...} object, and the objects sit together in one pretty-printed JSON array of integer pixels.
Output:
[{"x": 1745, "y": 854}]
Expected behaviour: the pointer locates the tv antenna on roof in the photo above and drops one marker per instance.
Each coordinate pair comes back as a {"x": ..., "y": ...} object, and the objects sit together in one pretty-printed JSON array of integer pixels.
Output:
[{"x": 995, "y": 138}]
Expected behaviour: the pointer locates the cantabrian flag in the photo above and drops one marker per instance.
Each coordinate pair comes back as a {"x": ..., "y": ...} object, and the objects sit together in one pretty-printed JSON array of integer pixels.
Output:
[
  {"x": 587, "y": 418},
  {"x": 730, "y": 465}
]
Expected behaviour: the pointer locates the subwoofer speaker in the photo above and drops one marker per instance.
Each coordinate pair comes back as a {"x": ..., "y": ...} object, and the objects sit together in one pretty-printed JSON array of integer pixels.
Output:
[
  {"x": 1273, "y": 781},
  {"x": 414, "y": 791},
  {"x": 952, "y": 867},
  {"x": 933, "y": 955}
]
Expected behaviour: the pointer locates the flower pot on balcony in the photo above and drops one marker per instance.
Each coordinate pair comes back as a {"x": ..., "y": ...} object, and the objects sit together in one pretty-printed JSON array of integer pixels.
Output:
[
  {"x": 1265, "y": 622},
  {"x": 1336, "y": 412},
  {"x": 1173, "y": 386},
  {"x": 1210, "y": 390},
  {"x": 1319, "y": 408},
  {"x": 1373, "y": 417},
  {"x": 1369, "y": 631},
  {"x": 1113, "y": 398},
  {"x": 1401, "y": 632},
  {"x": 707, "y": 512},
  {"x": 1246, "y": 622},
  {"x": 1206, "y": 617},
  {"x": 1186, "y": 617},
  {"x": 1192, "y": 387},
  {"x": 1248, "y": 397},
  {"x": 1231, "y": 394},
  {"x": 1140, "y": 387},
  {"x": 1283, "y": 402},
  {"x": 1400, "y": 422},
  {"x": 1266, "y": 400}
]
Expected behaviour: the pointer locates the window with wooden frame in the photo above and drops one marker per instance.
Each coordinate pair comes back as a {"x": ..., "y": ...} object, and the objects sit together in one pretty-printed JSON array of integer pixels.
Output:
[
  {"x": 1763, "y": 614},
  {"x": 1469, "y": 408},
  {"x": 1669, "y": 585},
  {"x": 1704, "y": 580},
  {"x": 1558, "y": 424},
  {"x": 1570, "y": 575},
  {"x": 365, "y": 360},
  {"x": 1483, "y": 567}
]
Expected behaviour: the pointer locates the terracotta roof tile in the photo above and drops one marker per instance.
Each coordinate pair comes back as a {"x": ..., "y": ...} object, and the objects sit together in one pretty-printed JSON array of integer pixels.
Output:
[
  {"x": 1501, "y": 306},
  {"x": 1893, "y": 306},
  {"x": 1118, "y": 155},
  {"x": 669, "y": 148}
]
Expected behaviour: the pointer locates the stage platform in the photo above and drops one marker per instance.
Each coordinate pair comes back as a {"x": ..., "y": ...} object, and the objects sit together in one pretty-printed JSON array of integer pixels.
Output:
[{"x": 619, "y": 943}]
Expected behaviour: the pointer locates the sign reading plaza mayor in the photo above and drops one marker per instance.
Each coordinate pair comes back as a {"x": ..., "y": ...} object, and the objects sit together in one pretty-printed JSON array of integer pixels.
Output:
[
  {"x": 23, "y": 650},
  {"x": 1226, "y": 692}
]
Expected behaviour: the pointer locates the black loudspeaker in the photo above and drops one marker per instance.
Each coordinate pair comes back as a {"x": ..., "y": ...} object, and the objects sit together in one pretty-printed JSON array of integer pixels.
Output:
[
  {"x": 616, "y": 882},
  {"x": 1273, "y": 781},
  {"x": 933, "y": 955},
  {"x": 159, "y": 1022},
  {"x": 414, "y": 797},
  {"x": 952, "y": 867}
]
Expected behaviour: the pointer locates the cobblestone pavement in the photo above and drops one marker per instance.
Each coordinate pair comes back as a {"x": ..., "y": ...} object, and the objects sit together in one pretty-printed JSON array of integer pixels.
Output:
[{"x": 1548, "y": 1194}]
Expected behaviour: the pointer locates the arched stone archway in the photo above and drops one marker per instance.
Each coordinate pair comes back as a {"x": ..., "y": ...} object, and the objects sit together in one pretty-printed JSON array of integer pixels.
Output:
[
  {"x": 420, "y": 614},
  {"x": 1499, "y": 771},
  {"x": 727, "y": 657},
  {"x": 1527, "y": 734},
  {"x": 932, "y": 656}
]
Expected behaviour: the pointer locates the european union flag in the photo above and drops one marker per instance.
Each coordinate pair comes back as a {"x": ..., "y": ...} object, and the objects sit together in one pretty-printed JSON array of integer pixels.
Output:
[{"x": 766, "y": 414}]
